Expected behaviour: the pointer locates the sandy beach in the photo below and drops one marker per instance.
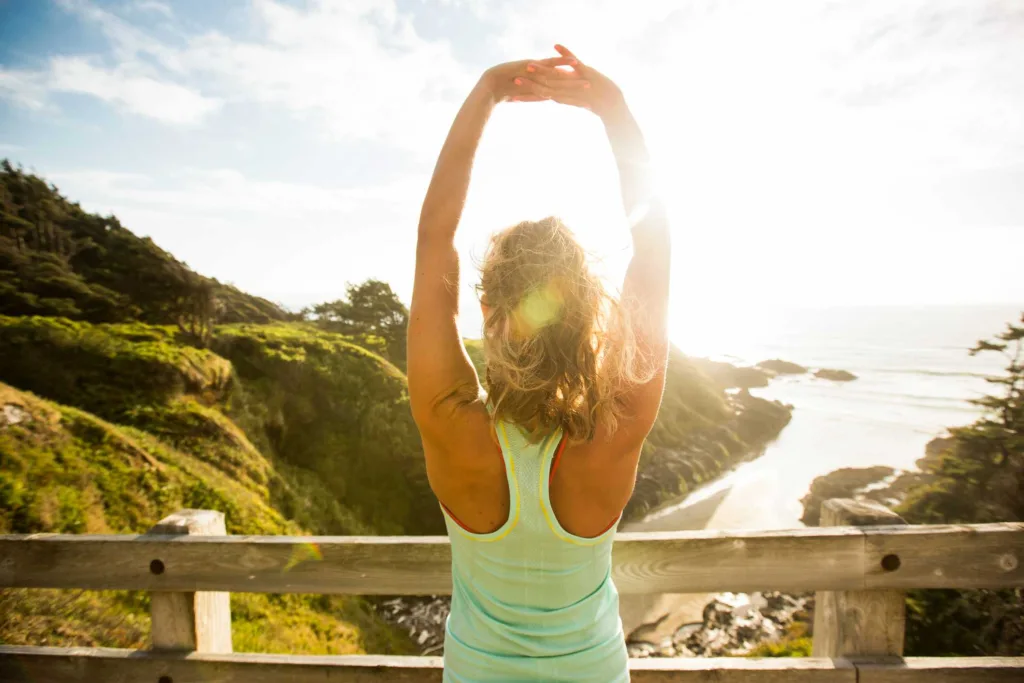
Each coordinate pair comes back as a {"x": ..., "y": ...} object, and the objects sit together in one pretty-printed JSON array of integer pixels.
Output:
[
  {"x": 760, "y": 494},
  {"x": 655, "y": 617}
]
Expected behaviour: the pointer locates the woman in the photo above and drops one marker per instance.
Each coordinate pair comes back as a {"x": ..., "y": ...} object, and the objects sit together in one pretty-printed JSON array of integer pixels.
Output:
[{"x": 532, "y": 478}]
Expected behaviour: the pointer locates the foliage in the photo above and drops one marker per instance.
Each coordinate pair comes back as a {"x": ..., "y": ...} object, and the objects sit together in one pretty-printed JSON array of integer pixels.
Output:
[
  {"x": 57, "y": 259},
  {"x": 371, "y": 311},
  {"x": 978, "y": 477},
  {"x": 700, "y": 433},
  {"x": 108, "y": 370},
  {"x": 323, "y": 412},
  {"x": 63, "y": 470},
  {"x": 796, "y": 641},
  {"x": 968, "y": 623},
  {"x": 981, "y": 473},
  {"x": 789, "y": 647},
  {"x": 336, "y": 409}
]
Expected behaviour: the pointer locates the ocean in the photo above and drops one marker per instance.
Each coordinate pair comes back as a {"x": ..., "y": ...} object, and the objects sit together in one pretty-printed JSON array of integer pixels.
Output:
[{"x": 915, "y": 378}]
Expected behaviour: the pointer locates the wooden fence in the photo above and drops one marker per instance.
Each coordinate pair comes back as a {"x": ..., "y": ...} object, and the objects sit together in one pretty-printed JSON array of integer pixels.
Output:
[{"x": 860, "y": 563}]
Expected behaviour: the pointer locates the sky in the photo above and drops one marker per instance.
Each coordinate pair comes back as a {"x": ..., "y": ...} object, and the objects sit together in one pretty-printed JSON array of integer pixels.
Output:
[{"x": 816, "y": 152}]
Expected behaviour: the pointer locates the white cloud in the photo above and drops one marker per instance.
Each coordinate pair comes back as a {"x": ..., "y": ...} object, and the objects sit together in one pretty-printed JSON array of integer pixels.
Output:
[
  {"x": 829, "y": 126},
  {"x": 919, "y": 83},
  {"x": 357, "y": 68},
  {"x": 154, "y": 6},
  {"x": 137, "y": 93},
  {"x": 274, "y": 238},
  {"x": 133, "y": 84},
  {"x": 197, "y": 190},
  {"x": 127, "y": 40},
  {"x": 25, "y": 88}
]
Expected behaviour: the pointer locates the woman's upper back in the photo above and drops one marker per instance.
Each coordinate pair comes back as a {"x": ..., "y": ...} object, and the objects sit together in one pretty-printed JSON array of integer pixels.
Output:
[
  {"x": 530, "y": 587},
  {"x": 589, "y": 486}
]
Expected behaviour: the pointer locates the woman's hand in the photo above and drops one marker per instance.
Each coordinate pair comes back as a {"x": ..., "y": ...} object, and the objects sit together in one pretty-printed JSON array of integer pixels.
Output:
[
  {"x": 584, "y": 86},
  {"x": 508, "y": 81}
]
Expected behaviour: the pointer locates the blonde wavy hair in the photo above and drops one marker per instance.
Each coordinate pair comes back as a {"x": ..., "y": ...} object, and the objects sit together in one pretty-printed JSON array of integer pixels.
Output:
[{"x": 560, "y": 350}]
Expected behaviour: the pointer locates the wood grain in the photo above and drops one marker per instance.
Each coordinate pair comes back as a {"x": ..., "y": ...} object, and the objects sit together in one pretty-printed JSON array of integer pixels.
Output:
[
  {"x": 191, "y": 620},
  {"x": 941, "y": 670},
  {"x": 946, "y": 556},
  {"x": 858, "y": 622},
  {"x": 77, "y": 665},
  {"x": 20, "y": 664},
  {"x": 741, "y": 670},
  {"x": 651, "y": 562}
]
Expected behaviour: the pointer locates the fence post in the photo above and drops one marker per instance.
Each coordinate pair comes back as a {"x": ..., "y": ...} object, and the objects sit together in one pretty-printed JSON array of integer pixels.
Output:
[
  {"x": 858, "y": 623},
  {"x": 197, "y": 621}
]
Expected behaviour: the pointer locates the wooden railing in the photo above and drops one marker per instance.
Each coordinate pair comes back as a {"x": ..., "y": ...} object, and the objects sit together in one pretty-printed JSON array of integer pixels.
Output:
[{"x": 860, "y": 563}]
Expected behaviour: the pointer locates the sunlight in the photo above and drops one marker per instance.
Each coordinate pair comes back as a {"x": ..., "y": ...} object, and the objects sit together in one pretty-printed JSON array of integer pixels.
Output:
[{"x": 782, "y": 187}]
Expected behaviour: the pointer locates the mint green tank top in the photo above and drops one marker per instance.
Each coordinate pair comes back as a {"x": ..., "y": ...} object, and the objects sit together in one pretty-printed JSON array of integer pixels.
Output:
[{"x": 530, "y": 601}]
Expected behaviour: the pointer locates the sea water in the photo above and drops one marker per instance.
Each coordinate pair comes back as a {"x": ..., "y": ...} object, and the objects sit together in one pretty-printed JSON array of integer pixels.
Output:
[{"x": 915, "y": 379}]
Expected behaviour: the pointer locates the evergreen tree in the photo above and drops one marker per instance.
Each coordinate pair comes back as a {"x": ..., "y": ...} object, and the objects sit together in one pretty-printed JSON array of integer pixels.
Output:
[
  {"x": 979, "y": 478},
  {"x": 370, "y": 310}
]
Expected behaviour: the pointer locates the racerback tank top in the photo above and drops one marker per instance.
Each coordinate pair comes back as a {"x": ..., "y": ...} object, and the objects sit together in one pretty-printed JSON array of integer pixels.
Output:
[{"x": 531, "y": 601}]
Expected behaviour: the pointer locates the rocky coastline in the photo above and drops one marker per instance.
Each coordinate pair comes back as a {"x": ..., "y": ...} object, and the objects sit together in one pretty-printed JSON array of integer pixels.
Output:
[{"x": 733, "y": 624}]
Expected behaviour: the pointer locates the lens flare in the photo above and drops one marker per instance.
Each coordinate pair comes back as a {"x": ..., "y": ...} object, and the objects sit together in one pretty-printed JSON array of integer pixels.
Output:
[
  {"x": 539, "y": 308},
  {"x": 303, "y": 552}
]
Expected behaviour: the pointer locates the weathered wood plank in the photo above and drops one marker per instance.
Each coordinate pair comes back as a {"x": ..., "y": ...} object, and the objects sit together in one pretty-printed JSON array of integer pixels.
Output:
[
  {"x": 653, "y": 562},
  {"x": 960, "y": 556},
  {"x": 20, "y": 664},
  {"x": 699, "y": 562},
  {"x": 941, "y": 670},
  {"x": 741, "y": 670},
  {"x": 858, "y": 622},
  {"x": 86, "y": 665},
  {"x": 191, "y": 620},
  {"x": 258, "y": 564},
  {"x": 78, "y": 665}
]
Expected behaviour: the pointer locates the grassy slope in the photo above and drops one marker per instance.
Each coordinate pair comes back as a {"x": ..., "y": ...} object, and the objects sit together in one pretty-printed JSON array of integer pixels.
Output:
[
  {"x": 64, "y": 470},
  {"x": 338, "y": 411},
  {"x": 176, "y": 445}
]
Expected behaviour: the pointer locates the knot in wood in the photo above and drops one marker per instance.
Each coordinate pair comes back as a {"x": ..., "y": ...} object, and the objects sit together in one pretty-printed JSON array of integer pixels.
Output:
[{"x": 891, "y": 562}]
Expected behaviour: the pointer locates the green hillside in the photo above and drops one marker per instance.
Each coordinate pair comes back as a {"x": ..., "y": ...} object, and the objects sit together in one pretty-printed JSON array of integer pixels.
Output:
[
  {"x": 335, "y": 449},
  {"x": 57, "y": 259},
  {"x": 64, "y": 470},
  {"x": 157, "y": 425}
]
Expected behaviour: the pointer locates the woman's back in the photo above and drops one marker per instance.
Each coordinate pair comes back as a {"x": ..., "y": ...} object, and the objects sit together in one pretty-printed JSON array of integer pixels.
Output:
[{"x": 530, "y": 601}]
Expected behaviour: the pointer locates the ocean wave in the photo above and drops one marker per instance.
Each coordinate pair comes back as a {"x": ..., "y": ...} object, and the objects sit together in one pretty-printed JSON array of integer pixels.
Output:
[{"x": 930, "y": 373}]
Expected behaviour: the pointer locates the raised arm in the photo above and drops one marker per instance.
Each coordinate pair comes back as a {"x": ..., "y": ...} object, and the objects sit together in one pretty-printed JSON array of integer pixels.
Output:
[
  {"x": 645, "y": 290},
  {"x": 441, "y": 377}
]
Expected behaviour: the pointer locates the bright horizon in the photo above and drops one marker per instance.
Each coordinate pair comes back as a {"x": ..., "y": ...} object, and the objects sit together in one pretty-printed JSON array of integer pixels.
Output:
[{"x": 862, "y": 153}]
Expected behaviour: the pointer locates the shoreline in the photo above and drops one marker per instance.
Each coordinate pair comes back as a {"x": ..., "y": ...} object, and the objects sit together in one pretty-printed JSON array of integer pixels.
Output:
[{"x": 654, "y": 617}]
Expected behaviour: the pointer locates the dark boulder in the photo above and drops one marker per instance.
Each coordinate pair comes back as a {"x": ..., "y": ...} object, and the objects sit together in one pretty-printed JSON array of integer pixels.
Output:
[
  {"x": 782, "y": 367},
  {"x": 835, "y": 375}
]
